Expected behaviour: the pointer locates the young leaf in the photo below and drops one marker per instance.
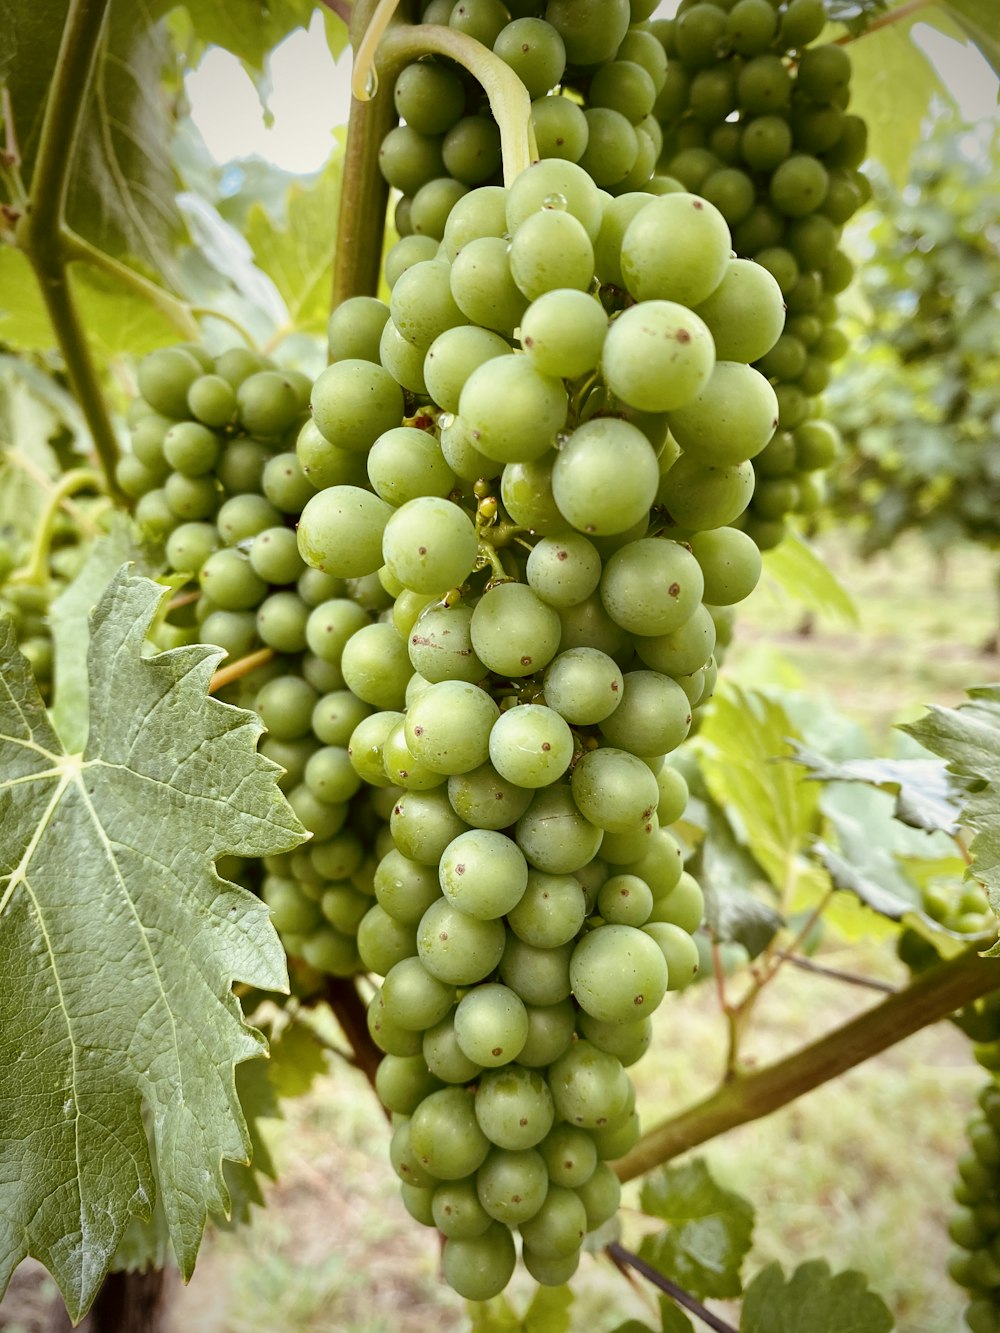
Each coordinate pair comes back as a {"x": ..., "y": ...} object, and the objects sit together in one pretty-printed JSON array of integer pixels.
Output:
[
  {"x": 982, "y": 24},
  {"x": 968, "y": 737},
  {"x": 726, "y": 871},
  {"x": 673, "y": 1319},
  {"x": 708, "y": 1233},
  {"x": 119, "y": 945},
  {"x": 811, "y": 1301},
  {"x": 800, "y": 573}
]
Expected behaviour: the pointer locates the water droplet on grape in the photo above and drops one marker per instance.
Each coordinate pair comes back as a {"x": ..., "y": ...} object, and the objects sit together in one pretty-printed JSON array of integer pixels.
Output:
[{"x": 556, "y": 201}]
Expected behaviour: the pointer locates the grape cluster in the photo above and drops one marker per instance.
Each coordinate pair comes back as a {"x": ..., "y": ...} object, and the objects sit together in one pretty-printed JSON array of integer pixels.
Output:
[
  {"x": 553, "y": 520},
  {"x": 592, "y": 72},
  {"x": 216, "y": 473},
  {"x": 26, "y": 600},
  {"x": 974, "y": 1225},
  {"x": 754, "y": 119}
]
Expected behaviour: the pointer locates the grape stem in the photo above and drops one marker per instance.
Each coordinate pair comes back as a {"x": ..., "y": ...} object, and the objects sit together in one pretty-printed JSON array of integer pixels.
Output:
[
  {"x": 341, "y": 994},
  {"x": 933, "y": 996},
  {"x": 836, "y": 973},
  {"x": 179, "y": 313},
  {"x": 238, "y": 669},
  {"x": 624, "y": 1259},
  {"x": 36, "y": 571},
  {"x": 884, "y": 20},
  {"x": 39, "y": 231},
  {"x": 510, "y": 104}
]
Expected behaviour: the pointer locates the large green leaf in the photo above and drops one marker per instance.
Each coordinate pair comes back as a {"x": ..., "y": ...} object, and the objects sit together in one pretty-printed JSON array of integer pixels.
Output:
[
  {"x": 297, "y": 254},
  {"x": 119, "y": 945},
  {"x": 968, "y": 737},
  {"x": 251, "y": 29},
  {"x": 812, "y": 1301},
  {"x": 708, "y": 1234},
  {"x": 746, "y": 738},
  {"x": 547, "y": 1312},
  {"x": 925, "y": 799},
  {"x": 34, "y": 412},
  {"x": 892, "y": 85}
]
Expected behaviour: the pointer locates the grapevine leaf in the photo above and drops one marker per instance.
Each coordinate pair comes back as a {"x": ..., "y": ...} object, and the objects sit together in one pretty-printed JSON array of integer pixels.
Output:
[
  {"x": 298, "y": 1058},
  {"x": 298, "y": 253},
  {"x": 872, "y": 875},
  {"x": 252, "y": 32},
  {"x": 34, "y": 412},
  {"x": 773, "y": 813},
  {"x": 891, "y": 89},
  {"x": 812, "y": 1301},
  {"x": 119, "y": 945},
  {"x": 673, "y": 1319},
  {"x": 801, "y": 574},
  {"x": 968, "y": 737},
  {"x": 117, "y": 320},
  {"x": 259, "y": 1100},
  {"x": 981, "y": 23},
  {"x": 925, "y": 798},
  {"x": 549, "y": 1311},
  {"x": 726, "y": 871},
  {"x": 708, "y": 1233},
  {"x": 69, "y": 618},
  {"x": 632, "y": 1326},
  {"x": 121, "y": 181}
]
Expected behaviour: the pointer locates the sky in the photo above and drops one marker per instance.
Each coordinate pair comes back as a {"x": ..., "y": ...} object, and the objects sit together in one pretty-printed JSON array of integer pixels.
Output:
[{"x": 310, "y": 95}]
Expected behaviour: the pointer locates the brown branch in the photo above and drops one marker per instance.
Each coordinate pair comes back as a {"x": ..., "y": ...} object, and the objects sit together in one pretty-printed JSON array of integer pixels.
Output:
[
  {"x": 886, "y": 20},
  {"x": 933, "y": 996},
  {"x": 624, "y": 1259},
  {"x": 836, "y": 973},
  {"x": 341, "y": 994}
]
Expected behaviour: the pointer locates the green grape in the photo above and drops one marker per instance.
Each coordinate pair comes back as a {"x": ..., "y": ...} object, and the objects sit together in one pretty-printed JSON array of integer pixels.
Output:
[
  {"x": 618, "y": 973},
  {"x": 535, "y": 52},
  {"x": 407, "y": 251},
  {"x": 340, "y": 530},
  {"x": 563, "y": 571},
  {"x": 244, "y": 516},
  {"x": 445, "y": 1135},
  {"x": 485, "y": 800},
  {"x": 483, "y": 874},
  {"x": 617, "y": 214},
  {"x": 291, "y": 755},
  {"x": 652, "y": 717},
  {"x": 823, "y": 73},
  {"x": 511, "y": 411},
  {"x": 448, "y": 726},
  {"x": 539, "y": 976},
  {"x": 561, "y": 128},
  {"x": 563, "y": 331},
  {"x": 699, "y": 496},
  {"x": 526, "y": 491},
  {"x": 191, "y": 497},
  {"x": 684, "y": 650},
  {"x": 514, "y": 633},
  {"x": 458, "y": 1214},
  {"x": 383, "y": 942},
  {"x": 235, "y": 632},
  {"x": 331, "y": 625},
  {"x": 408, "y": 159},
  {"x": 550, "y": 911},
  {"x": 135, "y": 478},
  {"x": 323, "y": 464},
  {"x": 750, "y": 26},
  {"x": 190, "y": 545},
  {"x": 376, "y": 666},
  {"x": 413, "y": 998},
  {"x": 431, "y": 205},
  {"x": 285, "y": 484},
  {"x": 491, "y": 1027},
  {"x": 404, "y": 1159},
  {"x": 229, "y": 581},
  {"x": 365, "y": 746},
  {"x": 423, "y": 824},
  {"x": 731, "y": 419},
  {"x": 354, "y": 328},
  {"x": 614, "y": 789},
  {"x": 589, "y": 1087},
  {"x": 799, "y": 185},
  {"x": 274, "y": 555},
  {"x": 291, "y": 910},
  {"x": 569, "y": 1155},
  {"x": 554, "y": 181},
  {"x": 236, "y": 363},
  {"x": 281, "y": 622},
  {"x": 583, "y": 685},
  {"x": 342, "y": 857},
  {"x": 479, "y": 213},
  {"x": 211, "y": 400},
  {"x": 402, "y": 1082},
  {"x": 457, "y": 948},
  {"x": 512, "y": 1185},
  {"x": 389, "y": 1037},
  {"x": 444, "y": 1056},
  {"x": 417, "y": 1202},
  {"x": 285, "y": 706},
  {"x": 763, "y": 85},
  {"x": 554, "y": 836},
  {"x": 627, "y": 1042},
  {"x": 731, "y": 191},
  {"x": 513, "y": 1105},
  {"x": 683, "y": 904},
  {"x": 658, "y": 354},
  {"x": 605, "y": 476},
  {"x": 689, "y": 266},
  {"x": 440, "y": 644},
  {"x": 191, "y": 448},
  {"x": 651, "y": 586},
  {"x": 613, "y": 149},
  {"x": 451, "y": 359},
  {"x": 403, "y": 360},
  {"x": 318, "y": 818},
  {"x": 531, "y": 745},
  {"x": 430, "y": 544},
  {"x": 730, "y": 563},
  {"x": 698, "y": 33},
  {"x": 471, "y": 150},
  {"x": 165, "y": 377},
  {"x": 551, "y": 250},
  {"x": 550, "y": 1031},
  {"x": 267, "y": 403},
  {"x": 430, "y": 97},
  {"x": 354, "y": 402},
  {"x": 479, "y": 1267},
  {"x": 558, "y": 1228},
  {"x": 336, "y": 715}
]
